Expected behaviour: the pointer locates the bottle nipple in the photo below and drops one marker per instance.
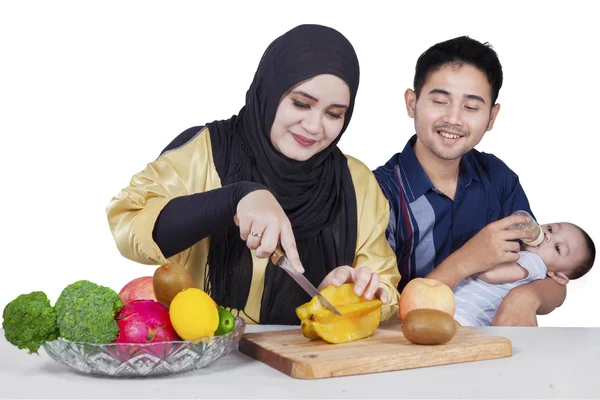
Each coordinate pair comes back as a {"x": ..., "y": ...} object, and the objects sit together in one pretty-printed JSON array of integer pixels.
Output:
[{"x": 532, "y": 226}]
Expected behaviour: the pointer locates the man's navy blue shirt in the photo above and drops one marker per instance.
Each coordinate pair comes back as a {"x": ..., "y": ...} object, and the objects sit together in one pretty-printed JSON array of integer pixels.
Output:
[{"x": 425, "y": 225}]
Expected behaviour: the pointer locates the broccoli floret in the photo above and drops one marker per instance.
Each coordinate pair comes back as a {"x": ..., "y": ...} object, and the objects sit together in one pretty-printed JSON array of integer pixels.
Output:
[
  {"x": 85, "y": 312},
  {"x": 29, "y": 321}
]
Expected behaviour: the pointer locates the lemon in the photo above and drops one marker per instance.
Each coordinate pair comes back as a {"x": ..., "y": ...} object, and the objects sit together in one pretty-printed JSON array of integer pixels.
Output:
[{"x": 194, "y": 314}]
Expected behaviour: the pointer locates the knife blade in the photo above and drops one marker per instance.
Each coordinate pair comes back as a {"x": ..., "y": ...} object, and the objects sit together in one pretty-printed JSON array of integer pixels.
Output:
[{"x": 278, "y": 258}]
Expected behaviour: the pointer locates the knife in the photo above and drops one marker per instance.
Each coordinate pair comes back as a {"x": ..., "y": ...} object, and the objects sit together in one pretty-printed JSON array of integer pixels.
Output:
[{"x": 278, "y": 258}]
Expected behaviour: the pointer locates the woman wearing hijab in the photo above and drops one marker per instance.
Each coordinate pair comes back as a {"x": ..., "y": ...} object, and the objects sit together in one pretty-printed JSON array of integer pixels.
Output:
[{"x": 277, "y": 168}]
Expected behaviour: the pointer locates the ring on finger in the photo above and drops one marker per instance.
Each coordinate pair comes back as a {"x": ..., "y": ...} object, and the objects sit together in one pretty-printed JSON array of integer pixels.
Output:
[{"x": 258, "y": 235}]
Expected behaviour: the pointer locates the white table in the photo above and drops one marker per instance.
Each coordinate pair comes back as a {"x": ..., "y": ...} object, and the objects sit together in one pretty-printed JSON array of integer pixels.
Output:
[{"x": 546, "y": 363}]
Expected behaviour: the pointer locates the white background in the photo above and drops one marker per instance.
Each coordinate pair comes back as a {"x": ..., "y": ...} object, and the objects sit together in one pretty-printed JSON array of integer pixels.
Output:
[{"x": 91, "y": 92}]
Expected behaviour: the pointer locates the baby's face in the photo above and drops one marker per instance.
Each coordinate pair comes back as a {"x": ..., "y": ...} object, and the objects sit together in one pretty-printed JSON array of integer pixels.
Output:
[{"x": 563, "y": 247}]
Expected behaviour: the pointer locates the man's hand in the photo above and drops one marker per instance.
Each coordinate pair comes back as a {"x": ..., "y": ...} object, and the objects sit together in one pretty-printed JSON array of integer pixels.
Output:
[
  {"x": 495, "y": 244},
  {"x": 521, "y": 304},
  {"x": 519, "y": 308}
]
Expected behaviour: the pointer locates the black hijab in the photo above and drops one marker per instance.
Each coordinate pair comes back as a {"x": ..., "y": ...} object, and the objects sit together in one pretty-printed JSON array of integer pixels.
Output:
[{"x": 317, "y": 195}]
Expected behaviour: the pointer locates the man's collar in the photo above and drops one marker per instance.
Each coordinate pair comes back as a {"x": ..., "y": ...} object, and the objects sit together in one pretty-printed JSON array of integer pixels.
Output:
[
  {"x": 416, "y": 178},
  {"x": 418, "y": 183},
  {"x": 465, "y": 172}
]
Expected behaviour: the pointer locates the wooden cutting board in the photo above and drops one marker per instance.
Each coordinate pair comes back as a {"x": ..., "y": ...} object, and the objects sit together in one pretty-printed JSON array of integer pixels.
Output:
[{"x": 387, "y": 350}]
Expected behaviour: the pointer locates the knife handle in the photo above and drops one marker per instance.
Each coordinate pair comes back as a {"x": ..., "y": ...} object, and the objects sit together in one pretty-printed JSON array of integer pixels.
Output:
[{"x": 277, "y": 256}]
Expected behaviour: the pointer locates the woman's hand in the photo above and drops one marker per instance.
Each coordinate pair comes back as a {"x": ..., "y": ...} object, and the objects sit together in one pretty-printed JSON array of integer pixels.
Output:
[
  {"x": 365, "y": 281},
  {"x": 263, "y": 224}
]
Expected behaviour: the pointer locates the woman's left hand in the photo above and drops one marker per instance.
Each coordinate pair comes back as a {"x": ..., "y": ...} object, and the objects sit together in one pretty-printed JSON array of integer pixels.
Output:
[{"x": 365, "y": 281}]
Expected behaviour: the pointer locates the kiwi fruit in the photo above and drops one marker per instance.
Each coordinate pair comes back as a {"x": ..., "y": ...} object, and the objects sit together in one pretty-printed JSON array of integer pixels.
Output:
[
  {"x": 168, "y": 280},
  {"x": 428, "y": 326}
]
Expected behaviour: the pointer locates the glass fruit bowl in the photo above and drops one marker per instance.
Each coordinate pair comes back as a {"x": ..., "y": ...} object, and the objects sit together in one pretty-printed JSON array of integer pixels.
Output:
[{"x": 148, "y": 359}]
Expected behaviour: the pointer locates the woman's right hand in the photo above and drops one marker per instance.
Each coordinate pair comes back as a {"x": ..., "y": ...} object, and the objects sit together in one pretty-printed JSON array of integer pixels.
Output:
[{"x": 263, "y": 224}]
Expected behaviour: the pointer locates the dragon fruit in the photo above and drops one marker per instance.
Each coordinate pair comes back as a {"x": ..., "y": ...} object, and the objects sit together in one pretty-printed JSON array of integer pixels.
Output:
[{"x": 145, "y": 321}]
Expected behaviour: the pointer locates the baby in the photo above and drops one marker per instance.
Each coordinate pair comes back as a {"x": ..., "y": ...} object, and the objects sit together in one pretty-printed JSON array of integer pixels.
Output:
[{"x": 567, "y": 252}]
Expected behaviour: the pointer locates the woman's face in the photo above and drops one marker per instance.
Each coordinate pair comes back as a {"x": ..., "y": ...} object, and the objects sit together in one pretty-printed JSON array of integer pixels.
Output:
[{"x": 310, "y": 116}]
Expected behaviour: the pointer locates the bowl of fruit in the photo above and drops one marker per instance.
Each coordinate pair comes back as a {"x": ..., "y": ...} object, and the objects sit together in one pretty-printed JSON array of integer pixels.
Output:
[{"x": 154, "y": 326}]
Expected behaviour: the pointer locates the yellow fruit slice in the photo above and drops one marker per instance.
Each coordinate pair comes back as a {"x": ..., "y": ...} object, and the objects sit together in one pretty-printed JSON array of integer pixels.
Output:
[
  {"x": 308, "y": 329},
  {"x": 306, "y": 323},
  {"x": 194, "y": 314},
  {"x": 341, "y": 295},
  {"x": 349, "y": 329},
  {"x": 354, "y": 310},
  {"x": 337, "y": 295},
  {"x": 360, "y": 318},
  {"x": 302, "y": 312}
]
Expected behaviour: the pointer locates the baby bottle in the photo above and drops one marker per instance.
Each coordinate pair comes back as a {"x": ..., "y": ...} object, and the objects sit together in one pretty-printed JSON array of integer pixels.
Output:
[{"x": 532, "y": 226}]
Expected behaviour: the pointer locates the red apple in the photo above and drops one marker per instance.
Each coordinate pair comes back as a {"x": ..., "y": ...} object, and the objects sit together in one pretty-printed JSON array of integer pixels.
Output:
[
  {"x": 426, "y": 293},
  {"x": 138, "y": 289}
]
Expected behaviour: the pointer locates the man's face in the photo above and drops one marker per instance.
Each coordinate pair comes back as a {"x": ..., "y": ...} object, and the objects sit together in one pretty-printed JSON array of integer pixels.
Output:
[
  {"x": 453, "y": 111},
  {"x": 562, "y": 249}
]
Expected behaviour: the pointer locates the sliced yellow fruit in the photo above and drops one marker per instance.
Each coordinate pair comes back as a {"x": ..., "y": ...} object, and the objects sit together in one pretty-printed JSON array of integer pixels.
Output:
[
  {"x": 308, "y": 329},
  {"x": 302, "y": 312},
  {"x": 360, "y": 318},
  {"x": 348, "y": 311},
  {"x": 349, "y": 329}
]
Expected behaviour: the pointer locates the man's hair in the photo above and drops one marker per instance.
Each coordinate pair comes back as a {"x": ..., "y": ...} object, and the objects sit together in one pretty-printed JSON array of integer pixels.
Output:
[
  {"x": 588, "y": 260},
  {"x": 457, "y": 52}
]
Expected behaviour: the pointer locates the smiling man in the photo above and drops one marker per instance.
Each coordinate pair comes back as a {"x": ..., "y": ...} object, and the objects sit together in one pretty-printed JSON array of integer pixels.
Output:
[{"x": 450, "y": 204}]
